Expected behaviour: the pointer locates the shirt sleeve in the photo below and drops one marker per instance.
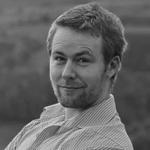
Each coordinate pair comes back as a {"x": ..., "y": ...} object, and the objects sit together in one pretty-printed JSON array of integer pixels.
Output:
[{"x": 17, "y": 139}]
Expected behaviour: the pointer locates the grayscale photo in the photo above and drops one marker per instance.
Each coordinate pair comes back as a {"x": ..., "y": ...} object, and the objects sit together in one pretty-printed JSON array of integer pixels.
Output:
[{"x": 74, "y": 75}]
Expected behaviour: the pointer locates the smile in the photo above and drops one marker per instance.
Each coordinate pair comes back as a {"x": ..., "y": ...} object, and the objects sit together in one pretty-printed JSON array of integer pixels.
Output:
[{"x": 70, "y": 88}]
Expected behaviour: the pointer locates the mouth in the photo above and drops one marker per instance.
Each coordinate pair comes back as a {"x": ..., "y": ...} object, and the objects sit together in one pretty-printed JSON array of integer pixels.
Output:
[{"x": 71, "y": 87}]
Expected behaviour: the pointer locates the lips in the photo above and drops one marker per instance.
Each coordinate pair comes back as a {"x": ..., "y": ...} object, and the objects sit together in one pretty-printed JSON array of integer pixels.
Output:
[
  {"x": 71, "y": 87},
  {"x": 70, "y": 90}
]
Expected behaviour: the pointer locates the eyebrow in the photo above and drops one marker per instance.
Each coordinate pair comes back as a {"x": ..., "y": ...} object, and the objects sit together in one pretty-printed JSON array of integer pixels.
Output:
[
  {"x": 58, "y": 52},
  {"x": 83, "y": 52}
]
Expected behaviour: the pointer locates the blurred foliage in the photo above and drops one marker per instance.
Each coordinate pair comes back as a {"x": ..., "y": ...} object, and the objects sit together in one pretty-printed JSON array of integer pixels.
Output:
[{"x": 25, "y": 88}]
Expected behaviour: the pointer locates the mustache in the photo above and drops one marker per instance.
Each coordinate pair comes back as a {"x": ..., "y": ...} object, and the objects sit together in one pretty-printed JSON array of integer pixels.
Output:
[{"x": 71, "y": 84}]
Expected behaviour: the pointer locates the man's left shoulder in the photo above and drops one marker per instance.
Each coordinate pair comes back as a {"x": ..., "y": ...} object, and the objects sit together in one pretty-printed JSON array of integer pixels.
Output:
[
  {"x": 92, "y": 140},
  {"x": 113, "y": 135}
]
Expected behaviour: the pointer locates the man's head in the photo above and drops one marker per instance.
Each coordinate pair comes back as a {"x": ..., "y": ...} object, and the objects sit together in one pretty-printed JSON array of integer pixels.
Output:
[
  {"x": 97, "y": 24},
  {"x": 93, "y": 19}
]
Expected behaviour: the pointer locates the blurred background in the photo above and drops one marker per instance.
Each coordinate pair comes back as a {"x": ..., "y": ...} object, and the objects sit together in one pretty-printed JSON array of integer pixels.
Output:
[{"x": 24, "y": 77}]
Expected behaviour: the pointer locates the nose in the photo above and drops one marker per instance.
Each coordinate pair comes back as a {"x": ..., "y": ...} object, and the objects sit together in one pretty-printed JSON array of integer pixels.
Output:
[{"x": 69, "y": 71}]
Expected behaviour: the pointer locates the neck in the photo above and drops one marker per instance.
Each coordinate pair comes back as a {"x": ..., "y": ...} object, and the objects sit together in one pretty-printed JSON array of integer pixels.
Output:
[
  {"x": 102, "y": 98},
  {"x": 72, "y": 112}
]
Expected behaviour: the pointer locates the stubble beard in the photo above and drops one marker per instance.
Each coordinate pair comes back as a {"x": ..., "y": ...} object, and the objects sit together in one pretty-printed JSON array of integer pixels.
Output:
[
  {"x": 78, "y": 101},
  {"x": 81, "y": 101}
]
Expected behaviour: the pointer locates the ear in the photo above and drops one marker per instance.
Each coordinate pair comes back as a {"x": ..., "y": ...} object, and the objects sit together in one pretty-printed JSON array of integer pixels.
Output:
[{"x": 114, "y": 67}]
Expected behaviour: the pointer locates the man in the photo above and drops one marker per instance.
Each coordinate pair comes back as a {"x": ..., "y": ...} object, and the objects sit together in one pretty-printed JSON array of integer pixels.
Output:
[{"x": 85, "y": 45}]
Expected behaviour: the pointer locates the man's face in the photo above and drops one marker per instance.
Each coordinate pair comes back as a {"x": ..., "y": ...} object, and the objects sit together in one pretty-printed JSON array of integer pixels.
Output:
[{"x": 77, "y": 69}]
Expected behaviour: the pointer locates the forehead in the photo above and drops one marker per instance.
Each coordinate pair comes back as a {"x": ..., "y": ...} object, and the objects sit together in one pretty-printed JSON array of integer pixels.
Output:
[{"x": 69, "y": 39}]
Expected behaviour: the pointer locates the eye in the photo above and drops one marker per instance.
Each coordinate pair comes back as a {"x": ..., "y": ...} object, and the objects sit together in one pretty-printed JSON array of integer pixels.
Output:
[
  {"x": 83, "y": 60},
  {"x": 59, "y": 59}
]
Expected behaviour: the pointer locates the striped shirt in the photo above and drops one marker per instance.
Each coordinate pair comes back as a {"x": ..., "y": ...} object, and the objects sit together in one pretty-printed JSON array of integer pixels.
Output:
[{"x": 97, "y": 128}]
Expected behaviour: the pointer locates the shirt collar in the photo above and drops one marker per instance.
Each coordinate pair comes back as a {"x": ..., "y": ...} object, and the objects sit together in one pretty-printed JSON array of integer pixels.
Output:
[{"x": 94, "y": 116}]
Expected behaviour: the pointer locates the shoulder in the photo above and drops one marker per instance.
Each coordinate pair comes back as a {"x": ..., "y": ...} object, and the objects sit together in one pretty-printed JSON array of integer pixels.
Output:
[
  {"x": 99, "y": 139},
  {"x": 48, "y": 113},
  {"x": 114, "y": 135},
  {"x": 110, "y": 136}
]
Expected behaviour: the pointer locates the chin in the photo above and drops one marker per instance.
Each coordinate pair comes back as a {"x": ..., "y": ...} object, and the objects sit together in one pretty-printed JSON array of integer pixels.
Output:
[{"x": 82, "y": 105}]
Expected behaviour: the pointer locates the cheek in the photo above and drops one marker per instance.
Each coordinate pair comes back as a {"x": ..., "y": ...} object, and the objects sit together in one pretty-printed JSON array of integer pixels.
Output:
[
  {"x": 90, "y": 76},
  {"x": 54, "y": 73},
  {"x": 93, "y": 76}
]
